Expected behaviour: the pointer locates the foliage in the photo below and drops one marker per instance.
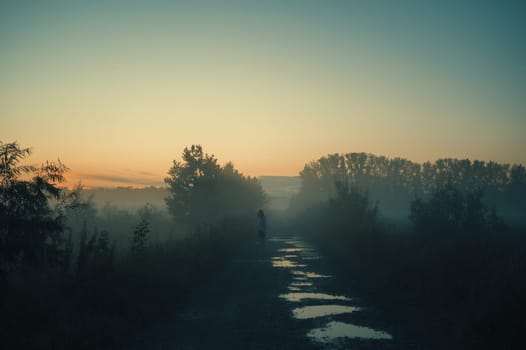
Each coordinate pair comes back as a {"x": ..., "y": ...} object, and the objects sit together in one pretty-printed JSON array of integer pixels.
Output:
[
  {"x": 470, "y": 293},
  {"x": 142, "y": 230},
  {"x": 78, "y": 210},
  {"x": 96, "y": 254},
  {"x": 350, "y": 211},
  {"x": 396, "y": 181},
  {"x": 30, "y": 231},
  {"x": 202, "y": 191},
  {"x": 62, "y": 284},
  {"x": 104, "y": 303},
  {"x": 140, "y": 236},
  {"x": 451, "y": 213}
]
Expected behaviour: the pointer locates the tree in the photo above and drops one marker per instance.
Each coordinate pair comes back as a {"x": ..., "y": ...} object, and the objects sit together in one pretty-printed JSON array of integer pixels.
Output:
[
  {"x": 202, "y": 191},
  {"x": 30, "y": 231},
  {"x": 142, "y": 230},
  {"x": 140, "y": 236},
  {"x": 450, "y": 213},
  {"x": 351, "y": 212},
  {"x": 188, "y": 180},
  {"x": 77, "y": 208}
]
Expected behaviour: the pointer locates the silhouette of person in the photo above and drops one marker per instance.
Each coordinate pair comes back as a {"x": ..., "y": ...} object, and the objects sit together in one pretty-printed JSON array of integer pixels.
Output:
[{"x": 261, "y": 226}]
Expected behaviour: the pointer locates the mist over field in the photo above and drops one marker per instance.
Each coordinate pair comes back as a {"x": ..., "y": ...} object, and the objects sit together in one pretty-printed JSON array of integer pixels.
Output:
[
  {"x": 269, "y": 174},
  {"x": 139, "y": 253},
  {"x": 279, "y": 190}
]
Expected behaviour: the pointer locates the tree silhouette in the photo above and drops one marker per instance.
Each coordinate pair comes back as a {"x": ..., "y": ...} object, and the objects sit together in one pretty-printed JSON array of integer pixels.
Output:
[
  {"x": 394, "y": 182},
  {"x": 202, "y": 191},
  {"x": 30, "y": 231},
  {"x": 450, "y": 213},
  {"x": 142, "y": 230},
  {"x": 140, "y": 236}
]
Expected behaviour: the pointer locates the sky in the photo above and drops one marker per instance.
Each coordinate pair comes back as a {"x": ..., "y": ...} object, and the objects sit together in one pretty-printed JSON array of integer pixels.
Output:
[{"x": 117, "y": 89}]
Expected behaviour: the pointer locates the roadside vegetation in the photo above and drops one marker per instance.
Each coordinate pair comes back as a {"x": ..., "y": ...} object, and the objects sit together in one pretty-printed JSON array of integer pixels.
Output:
[
  {"x": 74, "y": 277},
  {"x": 455, "y": 270},
  {"x": 440, "y": 246}
]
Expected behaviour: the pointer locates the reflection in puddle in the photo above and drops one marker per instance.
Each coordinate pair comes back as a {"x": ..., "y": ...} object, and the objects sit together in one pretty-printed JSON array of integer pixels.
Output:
[
  {"x": 304, "y": 289},
  {"x": 290, "y": 250},
  {"x": 301, "y": 284},
  {"x": 295, "y": 243},
  {"x": 294, "y": 297},
  {"x": 300, "y": 278},
  {"x": 278, "y": 240},
  {"x": 322, "y": 310},
  {"x": 278, "y": 262},
  {"x": 309, "y": 274},
  {"x": 340, "y": 329},
  {"x": 299, "y": 244}
]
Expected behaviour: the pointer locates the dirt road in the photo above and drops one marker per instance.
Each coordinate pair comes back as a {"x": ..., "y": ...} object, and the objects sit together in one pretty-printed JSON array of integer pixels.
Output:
[{"x": 281, "y": 295}]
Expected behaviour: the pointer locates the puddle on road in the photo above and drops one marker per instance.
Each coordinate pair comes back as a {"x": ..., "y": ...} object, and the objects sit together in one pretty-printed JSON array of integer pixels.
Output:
[
  {"x": 300, "y": 278},
  {"x": 280, "y": 262},
  {"x": 290, "y": 250},
  {"x": 278, "y": 240},
  {"x": 335, "y": 330},
  {"x": 302, "y": 246},
  {"x": 322, "y": 310},
  {"x": 295, "y": 243},
  {"x": 303, "y": 289},
  {"x": 309, "y": 274},
  {"x": 296, "y": 297},
  {"x": 301, "y": 284}
]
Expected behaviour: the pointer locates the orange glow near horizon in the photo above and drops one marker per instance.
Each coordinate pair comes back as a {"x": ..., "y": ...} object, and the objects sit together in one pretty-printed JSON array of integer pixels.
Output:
[{"x": 117, "y": 92}]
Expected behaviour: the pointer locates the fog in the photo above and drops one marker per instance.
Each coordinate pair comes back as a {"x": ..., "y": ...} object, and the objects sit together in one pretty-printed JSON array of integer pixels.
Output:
[
  {"x": 447, "y": 236},
  {"x": 279, "y": 190}
]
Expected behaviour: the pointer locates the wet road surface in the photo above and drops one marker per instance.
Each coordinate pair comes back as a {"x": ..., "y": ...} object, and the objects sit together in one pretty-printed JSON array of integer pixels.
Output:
[{"x": 281, "y": 295}]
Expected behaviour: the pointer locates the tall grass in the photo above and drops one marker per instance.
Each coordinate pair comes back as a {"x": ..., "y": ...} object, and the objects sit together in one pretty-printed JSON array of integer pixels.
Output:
[
  {"x": 468, "y": 292},
  {"x": 103, "y": 299}
]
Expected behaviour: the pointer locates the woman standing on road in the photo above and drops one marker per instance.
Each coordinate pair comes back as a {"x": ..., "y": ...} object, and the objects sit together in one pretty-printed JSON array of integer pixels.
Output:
[{"x": 261, "y": 226}]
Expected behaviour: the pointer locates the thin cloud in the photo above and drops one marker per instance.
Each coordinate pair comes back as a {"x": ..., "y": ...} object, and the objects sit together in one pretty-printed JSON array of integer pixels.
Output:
[
  {"x": 142, "y": 172},
  {"x": 109, "y": 178},
  {"x": 116, "y": 179}
]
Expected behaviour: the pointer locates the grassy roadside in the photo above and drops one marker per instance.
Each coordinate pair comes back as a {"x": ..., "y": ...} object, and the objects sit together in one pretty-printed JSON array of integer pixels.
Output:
[
  {"x": 105, "y": 304},
  {"x": 465, "y": 293}
]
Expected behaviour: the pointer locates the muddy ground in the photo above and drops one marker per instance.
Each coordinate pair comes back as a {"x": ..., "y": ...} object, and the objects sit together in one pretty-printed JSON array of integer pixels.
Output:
[{"x": 281, "y": 295}]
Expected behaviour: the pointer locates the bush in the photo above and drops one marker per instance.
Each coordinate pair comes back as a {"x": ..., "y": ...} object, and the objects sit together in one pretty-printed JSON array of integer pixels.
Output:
[{"x": 469, "y": 293}]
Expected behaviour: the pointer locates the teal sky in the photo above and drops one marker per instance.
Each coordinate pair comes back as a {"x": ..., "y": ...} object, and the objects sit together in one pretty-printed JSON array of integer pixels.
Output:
[{"x": 117, "y": 89}]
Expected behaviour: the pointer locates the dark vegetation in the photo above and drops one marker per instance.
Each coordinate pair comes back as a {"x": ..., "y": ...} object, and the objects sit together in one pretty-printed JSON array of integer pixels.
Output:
[
  {"x": 395, "y": 182},
  {"x": 74, "y": 277},
  {"x": 128, "y": 198},
  {"x": 203, "y": 192},
  {"x": 457, "y": 272},
  {"x": 439, "y": 246}
]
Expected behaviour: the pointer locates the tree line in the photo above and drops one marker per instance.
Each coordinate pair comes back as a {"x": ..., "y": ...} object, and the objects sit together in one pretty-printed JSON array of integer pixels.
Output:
[
  {"x": 394, "y": 182},
  {"x": 72, "y": 276},
  {"x": 457, "y": 266}
]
